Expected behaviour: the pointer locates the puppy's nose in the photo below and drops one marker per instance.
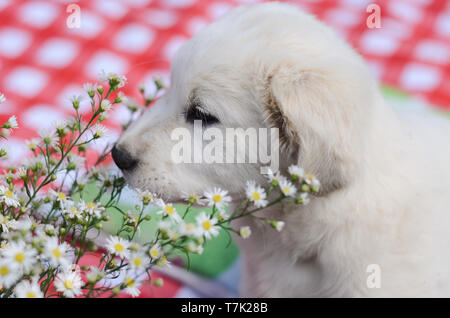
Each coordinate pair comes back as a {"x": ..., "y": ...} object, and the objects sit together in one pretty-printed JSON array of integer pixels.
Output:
[{"x": 123, "y": 158}]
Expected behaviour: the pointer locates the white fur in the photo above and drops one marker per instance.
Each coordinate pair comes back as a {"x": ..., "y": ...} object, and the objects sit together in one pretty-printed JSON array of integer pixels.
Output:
[{"x": 387, "y": 179}]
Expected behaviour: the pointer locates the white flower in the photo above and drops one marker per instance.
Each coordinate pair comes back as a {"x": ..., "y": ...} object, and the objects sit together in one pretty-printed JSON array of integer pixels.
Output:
[
  {"x": 94, "y": 274},
  {"x": 20, "y": 256},
  {"x": 69, "y": 283},
  {"x": 8, "y": 197},
  {"x": 57, "y": 196},
  {"x": 286, "y": 187},
  {"x": 194, "y": 248},
  {"x": 118, "y": 246},
  {"x": 90, "y": 88},
  {"x": 155, "y": 251},
  {"x": 168, "y": 210},
  {"x": 217, "y": 197},
  {"x": 245, "y": 232},
  {"x": 92, "y": 208},
  {"x": 27, "y": 289},
  {"x": 278, "y": 225},
  {"x": 192, "y": 199},
  {"x": 56, "y": 253},
  {"x": 132, "y": 285},
  {"x": 138, "y": 261},
  {"x": 189, "y": 229},
  {"x": 296, "y": 171},
  {"x": 163, "y": 262},
  {"x": 8, "y": 274},
  {"x": 303, "y": 199},
  {"x": 312, "y": 181},
  {"x": 48, "y": 137},
  {"x": 113, "y": 79},
  {"x": 2, "y": 98},
  {"x": 105, "y": 105},
  {"x": 21, "y": 173},
  {"x": 164, "y": 226},
  {"x": 6, "y": 224},
  {"x": 256, "y": 194},
  {"x": 145, "y": 196},
  {"x": 273, "y": 177},
  {"x": 11, "y": 123},
  {"x": 73, "y": 212},
  {"x": 99, "y": 131},
  {"x": 33, "y": 143},
  {"x": 207, "y": 226}
]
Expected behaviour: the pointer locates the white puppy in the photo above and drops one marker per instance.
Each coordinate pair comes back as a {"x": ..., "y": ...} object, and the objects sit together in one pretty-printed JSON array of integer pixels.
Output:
[{"x": 385, "y": 197}]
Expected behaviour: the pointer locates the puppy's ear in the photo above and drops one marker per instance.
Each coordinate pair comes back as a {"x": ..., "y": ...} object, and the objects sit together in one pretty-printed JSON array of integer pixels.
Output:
[{"x": 317, "y": 117}]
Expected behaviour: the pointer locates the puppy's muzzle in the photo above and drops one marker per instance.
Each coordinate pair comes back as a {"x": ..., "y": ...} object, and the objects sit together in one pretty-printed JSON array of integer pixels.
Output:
[{"x": 123, "y": 159}]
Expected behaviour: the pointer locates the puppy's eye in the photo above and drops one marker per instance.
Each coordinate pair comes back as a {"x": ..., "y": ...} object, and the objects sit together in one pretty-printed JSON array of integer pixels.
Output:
[{"x": 196, "y": 113}]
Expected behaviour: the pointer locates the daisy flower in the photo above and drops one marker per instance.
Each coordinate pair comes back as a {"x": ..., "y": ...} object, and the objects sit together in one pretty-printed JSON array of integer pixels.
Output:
[
  {"x": 286, "y": 187},
  {"x": 56, "y": 253},
  {"x": 168, "y": 210},
  {"x": 296, "y": 172},
  {"x": 245, "y": 232},
  {"x": 33, "y": 143},
  {"x": 138, "y": 261},
  {"x": 20, "y": 255},
  {"x": 312, "y": 181},
  {"x": 118, "y": 246},
  {"x": 145, "y": 196},
  {"x": 57, "y": 196},
  {"x": 9, "y": 197},
  {"x": 6, "y": 224},
  {"x": 27, "y": 289},
  {"x": 92, "y": 208},
  {"x": 132, "y": 285},
  {"x": 302, "y": 199},
  {"x": 217, "y": 197},
  {"x": 48, "y": 137},
  {"x": 163, "y": 262},
  {"x": 69, "y": 284},
  {"x": 164, "y": 226},
  {"x": 90, "y": 89},
  {"x": 189, "y": 229},
  {"x": 277, "y": 225},
  {"x": 114, "y": 80},
  {"x": 256, "y": 194},
  {"x": 207, "y": 226},
  {"x": 194, "y": 248},
  {"x": 11, "y": 123},
  {"x": 105, "y": 105},
  {"x": 99, "y": 131},
  {"x": 273, "y": 177},
  {"x": 192, "y": 199},
  {"x": 94, "y": 274},
  {"x": 8, "y": 274},
  {"x": 155, "y": 251}
]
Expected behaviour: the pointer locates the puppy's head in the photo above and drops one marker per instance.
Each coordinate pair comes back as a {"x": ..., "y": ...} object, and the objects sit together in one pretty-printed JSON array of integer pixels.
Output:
[{"x": 258, "y": 67}]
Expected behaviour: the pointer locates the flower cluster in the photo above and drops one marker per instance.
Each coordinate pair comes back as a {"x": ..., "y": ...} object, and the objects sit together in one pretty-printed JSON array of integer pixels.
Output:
[{"x": 50, "y": 216}]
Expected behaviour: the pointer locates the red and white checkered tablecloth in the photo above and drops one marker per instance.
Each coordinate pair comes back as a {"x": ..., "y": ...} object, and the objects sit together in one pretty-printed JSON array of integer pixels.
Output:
[{"x": 43, "y": 62}]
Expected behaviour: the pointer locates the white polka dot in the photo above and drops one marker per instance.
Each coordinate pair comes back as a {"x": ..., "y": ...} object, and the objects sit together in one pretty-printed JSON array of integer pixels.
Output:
[
  {"x": 26, "y": 81},
  {"x": 111, "y": 8},
  {"x": 8, "y": 107},
  {"x": 57, "y": 53},
  {"x": 405, "y": 11},
  {"x": 420, "y": 77},
  {"x": 17, "y": 151},
  {"x": 13, "y": 42},
  {"x": 178, "y": 3},
  {"x": 137, "y": 3},
  {"x": 395, "y": 28},
  {"x": 433, "y": 51},
  {"x": 4, "y": 4},
  {"x": 195, "y": 25},
  {"x": 134, "y": 38},
  {"x": 357, "y": 4},
  {"x": 442, "y": 25},
  {"x": 38, "y": 14},
  {"x": 107, "y": 61},
  {"x": 172, "y": 46},
  {"x": 162, "y": 19},
  {"x": 41, "y": 116},
  {"x": 342, "y": 17},
  {"x": 91, "y": 25},
  {"x": 379, "y": 43},
  {"x": 218, "y": 10}
]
